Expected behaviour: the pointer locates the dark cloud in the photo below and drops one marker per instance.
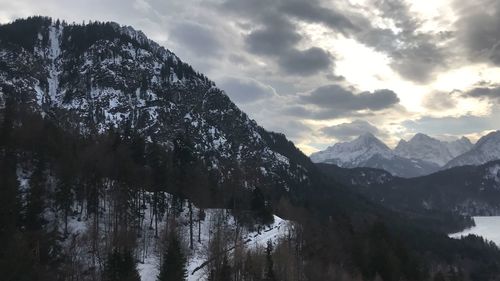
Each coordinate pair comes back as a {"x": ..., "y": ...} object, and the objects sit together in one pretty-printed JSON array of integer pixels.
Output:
[
  {"x": 313, "y": 11},
  {"x": 306, "y": 62},
  {"x": 334, "y": 101},
  {"x": 335, "y": 97},
  {"x": 492, "y": 93},
  {"x": 278, "y": 36},
  {"x": 243, "y": 90},
  {"x": 418, "y": 63},
  {"x": 478, "y": 29},
  {"x": 347, "y": 131},
  {"x": 197, "y": 38}
]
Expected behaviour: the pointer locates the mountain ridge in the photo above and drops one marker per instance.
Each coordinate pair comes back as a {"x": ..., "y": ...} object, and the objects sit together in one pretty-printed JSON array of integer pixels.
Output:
[
  {"x": 486, "y": 149},
  {"x": 368, "y": 151},
  {"x": 102, "y": 76}
]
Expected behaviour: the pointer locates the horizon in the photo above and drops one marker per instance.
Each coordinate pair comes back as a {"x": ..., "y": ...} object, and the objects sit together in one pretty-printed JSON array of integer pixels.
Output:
[{"x": 432, "y": 75}]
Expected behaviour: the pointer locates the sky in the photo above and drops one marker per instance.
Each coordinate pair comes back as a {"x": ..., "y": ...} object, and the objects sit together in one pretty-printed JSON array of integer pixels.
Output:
[{"x": 322, "y": 71}]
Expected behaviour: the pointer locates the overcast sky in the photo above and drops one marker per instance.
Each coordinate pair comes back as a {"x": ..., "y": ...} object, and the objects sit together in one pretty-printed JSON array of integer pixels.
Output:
[{"x": 326, "y": 71}]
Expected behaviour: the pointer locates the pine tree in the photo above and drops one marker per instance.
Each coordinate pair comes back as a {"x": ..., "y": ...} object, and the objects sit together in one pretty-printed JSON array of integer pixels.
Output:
[
  {"x": 174, "y": 262},
  {"x": 269, "y": 262},
  {"x": 260, "y": 207},
  {"x": 36, "y": 198},
  {"x": 225, "y": 271},
  {"x": 120, "y": 267}
]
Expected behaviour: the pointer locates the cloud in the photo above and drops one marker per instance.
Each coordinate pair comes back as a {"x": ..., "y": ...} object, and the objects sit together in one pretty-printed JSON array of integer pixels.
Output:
[
  {"x": 334, "y": 101},
  {"x": 197, "y": 38},
  {"x": 415, "y": 55},
  {"x": 246, "y": 90},
  {"x": 440, "y": 100},
  {"x": 477, "y": 29},
  {"x": 335, "y": 97},
  {"x": 274, "y": 35},
  {"x": 313, "y": 11},
  {"x": 306, "y": 62},
  {"x": 277, "y": 36},
  {"x": 462, "y": 125},
  {"x": 347, "y": 131},
  {"x": 492, "y": 93},
  {"x": 142, "y": 6},
  {"x": 292, "y": 129}
]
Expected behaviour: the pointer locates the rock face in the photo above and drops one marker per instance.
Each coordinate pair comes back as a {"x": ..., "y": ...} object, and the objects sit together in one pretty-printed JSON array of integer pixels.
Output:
[
  {"x": 103, "y": 76},
  {"x": 368, "y": 151},
  {"x": 423, "y": 147},
  {"x": 354, "y": 153},
  {"x": 486, "y": 149}
]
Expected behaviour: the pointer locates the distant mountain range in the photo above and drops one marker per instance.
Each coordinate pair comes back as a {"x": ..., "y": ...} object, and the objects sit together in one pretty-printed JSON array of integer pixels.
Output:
[{"x": 421, "y": 155}]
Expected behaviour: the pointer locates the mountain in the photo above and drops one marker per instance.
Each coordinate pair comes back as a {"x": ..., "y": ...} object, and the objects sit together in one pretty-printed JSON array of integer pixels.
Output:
[
  {"x": 465, "y": 190},
  {"x": 369, "y": 151},
  {"x": 460, "y": 146},
  {"x": 354, "y": 153},
  {"x": 486, "y": 149},
  {"x": 423, "y": 147},
  {"x": 111, "y": 146},
  {"x": 101, "y": 76}
]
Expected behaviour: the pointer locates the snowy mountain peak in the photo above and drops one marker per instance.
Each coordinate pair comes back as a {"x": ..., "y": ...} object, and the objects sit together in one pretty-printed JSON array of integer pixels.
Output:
[
  {"x": 421, "y": 137},
  {"x": 420, "y": 155},
  {"x": 369, "y": 139},
  {"x": 459, "y": 146},
  {"x": 353, "y": 153},
  {"x": 485, "y": 150},
  {"x": 426, "y": 148}
]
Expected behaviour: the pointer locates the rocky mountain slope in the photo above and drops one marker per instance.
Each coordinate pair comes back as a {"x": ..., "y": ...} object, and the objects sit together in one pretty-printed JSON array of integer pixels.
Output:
[
  {"x": 369, "y": 151},
  {"x": 425, "y": 148},
  {"x": 354, "y": 153},
  {"x": 102, "y": 76},
  {"x": 486, "y": 149}
]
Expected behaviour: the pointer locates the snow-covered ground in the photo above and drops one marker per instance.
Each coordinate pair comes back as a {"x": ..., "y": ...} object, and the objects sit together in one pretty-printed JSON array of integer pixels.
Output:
[
  {"x": 487, "y": 227},
  {"x": 149, "y": 246},
  {"x": 149, "y": 269}
]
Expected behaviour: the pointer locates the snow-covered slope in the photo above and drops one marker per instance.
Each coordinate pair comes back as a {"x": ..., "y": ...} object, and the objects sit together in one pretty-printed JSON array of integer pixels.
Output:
[
  {"x": 103, "y": 76},
  {"x": 485, "y": 150},
  {"x": 257, "y": 238},
  {"x": 460, "y": 146},
  {"x": 423, "y": 147},
  {"x": 354, "y": 153}
]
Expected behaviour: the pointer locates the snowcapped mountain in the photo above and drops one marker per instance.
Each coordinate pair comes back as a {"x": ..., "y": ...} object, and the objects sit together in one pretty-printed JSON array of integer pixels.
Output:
[
  {"x": 485, "y": 150},
  {"x": 354, "y": 153},
  {"x": 103, "y": 76},
  {"x": 423, "y": 147},
  {"x": 369, "y": 151},
  {"x": 460, "y": 146}
]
